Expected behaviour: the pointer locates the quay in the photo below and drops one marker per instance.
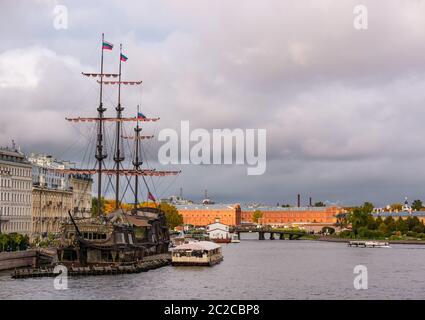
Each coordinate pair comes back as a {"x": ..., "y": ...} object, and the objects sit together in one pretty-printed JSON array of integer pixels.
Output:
[
  {"x": 148, "y": 263},
  {"x": 27, "y": 258}
]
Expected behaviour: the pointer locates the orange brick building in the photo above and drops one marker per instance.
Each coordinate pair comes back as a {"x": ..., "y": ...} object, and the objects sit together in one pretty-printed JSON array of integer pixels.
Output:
[
  {"x": 280, "y": 215},
  {"x": 202, "y": 215},
  {"x": 233, "y": 214}
]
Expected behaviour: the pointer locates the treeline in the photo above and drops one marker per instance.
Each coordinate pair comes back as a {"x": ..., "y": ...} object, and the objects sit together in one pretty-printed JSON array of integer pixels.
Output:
[
  {"x": 365, "y": 225},
  {"x": 13, "y": 242}
]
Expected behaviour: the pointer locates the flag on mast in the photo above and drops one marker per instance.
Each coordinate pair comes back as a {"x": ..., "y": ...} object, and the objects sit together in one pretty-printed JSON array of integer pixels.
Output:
[
  {"x": 107, "y": 45},
  {"x": 140, "y": 115},
  {"x": 151, "y": 197},
  {"x": 123, "y": 57}
]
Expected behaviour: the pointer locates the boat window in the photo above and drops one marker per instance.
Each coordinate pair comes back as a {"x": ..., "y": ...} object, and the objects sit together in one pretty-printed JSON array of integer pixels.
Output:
[
  {"x": 130, "y": 239},
  {"x": 119, "y": 237}
]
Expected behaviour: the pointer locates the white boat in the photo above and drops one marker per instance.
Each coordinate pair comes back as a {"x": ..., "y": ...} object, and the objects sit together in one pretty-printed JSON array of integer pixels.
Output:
[
  {"x": 200, "y": 253},
  {"x": 369, "y": 244},
  {"x": 235, "y": 238}
]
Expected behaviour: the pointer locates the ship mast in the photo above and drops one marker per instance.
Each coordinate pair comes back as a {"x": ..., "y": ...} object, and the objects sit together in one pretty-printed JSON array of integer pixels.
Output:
[
  {"x": 118, "y": 158},
  {"x": 100, "y": 120},
  {"x": 100, "y": 156},
  {"x": 136, "y": 161}
]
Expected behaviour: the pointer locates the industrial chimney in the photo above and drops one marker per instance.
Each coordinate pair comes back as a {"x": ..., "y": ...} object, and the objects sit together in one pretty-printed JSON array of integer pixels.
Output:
[
  {"x": 311, "y": 204},
  {"x": 298, "y": 200}
]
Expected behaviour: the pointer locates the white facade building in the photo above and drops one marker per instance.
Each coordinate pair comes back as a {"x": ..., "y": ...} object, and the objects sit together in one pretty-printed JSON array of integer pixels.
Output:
[
  {"x": 218, "y": 230},
  {"x": 15, "y": 192}
]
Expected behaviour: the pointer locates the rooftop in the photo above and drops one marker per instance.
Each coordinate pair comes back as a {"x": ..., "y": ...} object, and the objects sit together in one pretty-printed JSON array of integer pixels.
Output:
[
  {"x": 400, "y": 214},
  {"x": 216, "y": 206},
  {"x": 199, "y": 245},
  {"x": 12, "y": 155},
  {"x": 276, "y": 208}
]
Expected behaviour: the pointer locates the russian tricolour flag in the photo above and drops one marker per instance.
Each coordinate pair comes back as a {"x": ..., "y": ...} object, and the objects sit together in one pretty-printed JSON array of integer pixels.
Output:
[
  {"x": 107, "y": 45},
  {"x": 123, "y": 57}
]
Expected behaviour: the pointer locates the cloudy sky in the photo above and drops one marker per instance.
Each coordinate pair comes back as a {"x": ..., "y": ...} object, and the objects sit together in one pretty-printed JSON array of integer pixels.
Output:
[{"x": 343, "y": 108}]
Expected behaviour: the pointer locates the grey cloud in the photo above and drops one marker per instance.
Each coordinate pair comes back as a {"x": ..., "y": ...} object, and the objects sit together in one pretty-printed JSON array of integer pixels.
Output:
[{"x": 343, "y": 108}]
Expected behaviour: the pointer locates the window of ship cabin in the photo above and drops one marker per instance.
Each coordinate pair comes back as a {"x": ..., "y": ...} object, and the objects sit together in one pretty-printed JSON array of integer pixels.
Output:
[
  {"x": 119, "y": 237},
  {"x": 69, "y": 255}
]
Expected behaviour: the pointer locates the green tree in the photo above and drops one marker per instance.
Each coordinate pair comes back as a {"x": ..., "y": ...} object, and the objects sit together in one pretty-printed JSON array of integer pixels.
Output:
[
  {"x": 341, "y": 220},
  {"x": 94, "y": 205},
  {"x": 358, "y": 218},
  {"x": 391, "y": 225},
  {"x": 257, "y": 215},
  {"x": 4, "y": 240},
  {"x": 401, "y": 225},
  {"x": 396, "y": 207},
  {"x": 383, "y": 228},
  {"x": 18, "y": 239},
  {"x": 173, "y": 217},
  {"x": 417, "y": 205},
  {"x": 367, "y": 207}
]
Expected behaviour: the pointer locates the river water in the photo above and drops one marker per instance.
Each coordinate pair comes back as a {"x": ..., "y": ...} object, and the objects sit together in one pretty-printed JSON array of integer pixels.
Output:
[{"x": 253, "y": 269}]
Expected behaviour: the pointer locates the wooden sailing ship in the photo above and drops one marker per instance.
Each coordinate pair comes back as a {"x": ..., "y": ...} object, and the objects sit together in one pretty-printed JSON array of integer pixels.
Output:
[{"x": 124, "y": 237}]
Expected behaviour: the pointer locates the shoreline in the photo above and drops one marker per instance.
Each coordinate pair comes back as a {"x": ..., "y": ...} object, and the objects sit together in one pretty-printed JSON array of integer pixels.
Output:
[{"x": 421, "y": 242}]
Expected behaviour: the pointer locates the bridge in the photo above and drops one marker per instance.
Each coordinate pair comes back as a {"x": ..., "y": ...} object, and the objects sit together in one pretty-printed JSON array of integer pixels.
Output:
[{"x": 262, "y": 230}]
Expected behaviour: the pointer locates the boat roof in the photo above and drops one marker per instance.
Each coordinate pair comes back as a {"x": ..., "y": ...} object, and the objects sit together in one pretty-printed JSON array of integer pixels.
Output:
[{"x": 198, "y": 245}]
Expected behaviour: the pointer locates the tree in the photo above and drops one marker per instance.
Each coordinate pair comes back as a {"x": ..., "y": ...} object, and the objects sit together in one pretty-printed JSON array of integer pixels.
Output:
[
  {"x": 257, "y": 215},
  {"x": 319, "y": 204},
  {"x": 358, "y": 219},
  {"x": 417, "y": 205},
  {"x": 401, "y": 225},
  {"x": 4, "y": 240},
  {"x": 341, "y": 220},
  {"x": 391, "y": 225},
  {"x": 368, "y": 207},
  {"x": 396, "y": 207},
  {"x": 173, "y": 217},
  {"x": 94, "y": 205}
]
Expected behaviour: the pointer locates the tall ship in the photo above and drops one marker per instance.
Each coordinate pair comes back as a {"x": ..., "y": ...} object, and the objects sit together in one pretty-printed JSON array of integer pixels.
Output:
[{"x": 125, "y": 236}]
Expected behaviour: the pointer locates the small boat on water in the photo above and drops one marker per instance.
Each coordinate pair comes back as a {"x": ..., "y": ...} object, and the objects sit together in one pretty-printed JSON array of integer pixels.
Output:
[
  {"x": 200, "y": 253},
  {"x": 369, "y": 244}
]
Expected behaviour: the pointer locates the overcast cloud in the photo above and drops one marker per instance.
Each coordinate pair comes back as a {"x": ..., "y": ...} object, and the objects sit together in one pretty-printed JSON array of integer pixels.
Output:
[{"x": 343, "y": 108}]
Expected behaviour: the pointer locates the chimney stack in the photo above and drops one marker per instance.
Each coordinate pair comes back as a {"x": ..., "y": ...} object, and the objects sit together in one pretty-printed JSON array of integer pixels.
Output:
[
  {"x": 311, "y": 203},
  {"x": 298, "y": 200}
]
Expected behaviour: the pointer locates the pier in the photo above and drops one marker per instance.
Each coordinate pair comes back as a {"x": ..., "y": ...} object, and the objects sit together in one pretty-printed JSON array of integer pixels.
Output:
[{"x": 148, "y": 263}]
